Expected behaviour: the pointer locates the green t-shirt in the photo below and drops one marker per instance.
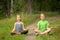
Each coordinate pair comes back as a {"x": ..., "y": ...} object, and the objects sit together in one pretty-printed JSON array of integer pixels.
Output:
[{"x": 42, "y": 25}]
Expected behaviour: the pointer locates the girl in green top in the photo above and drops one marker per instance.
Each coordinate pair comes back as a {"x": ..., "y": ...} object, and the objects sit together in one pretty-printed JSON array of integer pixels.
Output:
[{"x": 42, "y": 25}]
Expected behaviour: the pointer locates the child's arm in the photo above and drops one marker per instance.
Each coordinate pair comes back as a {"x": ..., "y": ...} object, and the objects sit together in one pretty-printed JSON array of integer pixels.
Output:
[
  {"x": 38, "y": 25},
  {"x": 23, "y": 27},
  {"x": 14, "y": 27},
  {"x": 47, "y": 24}
]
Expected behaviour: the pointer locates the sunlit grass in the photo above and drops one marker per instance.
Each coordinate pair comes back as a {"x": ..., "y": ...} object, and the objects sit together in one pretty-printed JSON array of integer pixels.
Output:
[{"x": 6, "y": 25}]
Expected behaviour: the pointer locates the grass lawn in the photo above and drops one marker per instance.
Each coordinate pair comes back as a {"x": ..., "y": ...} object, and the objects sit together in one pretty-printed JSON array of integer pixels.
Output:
[{"x": 6, "y": 25}]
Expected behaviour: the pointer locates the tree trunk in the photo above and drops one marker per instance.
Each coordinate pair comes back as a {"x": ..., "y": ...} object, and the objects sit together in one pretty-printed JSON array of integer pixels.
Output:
[
  {"x": 9, "y": 7},
  {"x": 29, "y": 6},
  {"x": 11, "y": 10}
]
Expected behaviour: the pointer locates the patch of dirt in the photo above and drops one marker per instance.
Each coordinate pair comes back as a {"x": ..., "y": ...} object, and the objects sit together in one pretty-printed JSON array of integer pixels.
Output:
[{"x": 31, "y": 34}]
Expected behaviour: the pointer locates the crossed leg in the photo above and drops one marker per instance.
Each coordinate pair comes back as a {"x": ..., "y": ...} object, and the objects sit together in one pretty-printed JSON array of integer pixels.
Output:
[{"x": 45, "y": 32}]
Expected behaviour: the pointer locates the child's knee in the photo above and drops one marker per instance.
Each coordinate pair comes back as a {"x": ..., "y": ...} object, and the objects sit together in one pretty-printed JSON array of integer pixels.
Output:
[
  {"x": 36, "y": 30},
  {"x": 49, "y": 29}
]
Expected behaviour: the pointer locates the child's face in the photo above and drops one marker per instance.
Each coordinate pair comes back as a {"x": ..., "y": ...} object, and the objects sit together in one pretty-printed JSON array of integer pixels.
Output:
[
  {"x": 18, "y": 18},
  {"x": 42, "y": 17}
]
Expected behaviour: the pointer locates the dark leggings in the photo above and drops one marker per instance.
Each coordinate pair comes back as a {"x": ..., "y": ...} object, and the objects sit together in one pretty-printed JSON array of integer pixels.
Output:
[{"x": 23, "y": 32}]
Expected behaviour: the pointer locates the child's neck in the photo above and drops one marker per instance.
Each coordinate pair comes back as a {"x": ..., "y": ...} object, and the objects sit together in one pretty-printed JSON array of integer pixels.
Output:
[
  {"x": 42, "y": 20},
  {"x": 18, "y": 21}
]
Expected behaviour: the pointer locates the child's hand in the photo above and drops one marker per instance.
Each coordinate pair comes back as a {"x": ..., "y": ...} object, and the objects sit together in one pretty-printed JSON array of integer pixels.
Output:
[
  {"x": 42, "y": 33},
  {"x": 24, "y": 29}
]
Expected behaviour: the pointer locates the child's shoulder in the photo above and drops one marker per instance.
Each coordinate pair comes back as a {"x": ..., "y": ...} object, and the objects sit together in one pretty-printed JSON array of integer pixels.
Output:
[
  {"x": 17, "y": 23},
  {"x": 44, "y": 21},
  {"x": 21, "y": 22}
]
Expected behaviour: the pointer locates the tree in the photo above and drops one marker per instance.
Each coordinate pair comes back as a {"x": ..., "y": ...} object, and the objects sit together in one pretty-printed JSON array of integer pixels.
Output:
[
  {"x": 29, "y": 6},
  {"x": 9, "y": 7},
  {"x": 11, "y": 11}
]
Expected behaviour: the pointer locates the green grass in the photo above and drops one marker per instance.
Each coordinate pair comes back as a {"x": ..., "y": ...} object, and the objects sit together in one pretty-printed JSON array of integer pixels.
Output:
[{"x": 6, "y": 25}]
